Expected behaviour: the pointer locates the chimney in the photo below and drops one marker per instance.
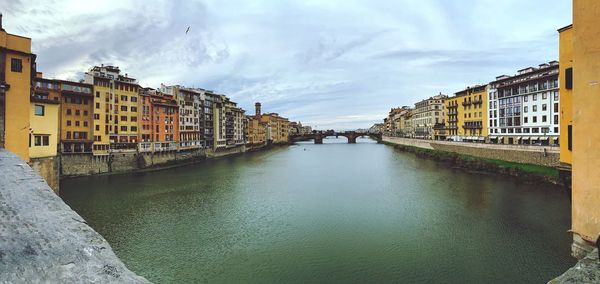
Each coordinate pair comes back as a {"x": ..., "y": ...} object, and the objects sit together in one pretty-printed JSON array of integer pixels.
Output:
[
  {"x": 1, "y": 28},
  {"x": 257, "y": 108}
]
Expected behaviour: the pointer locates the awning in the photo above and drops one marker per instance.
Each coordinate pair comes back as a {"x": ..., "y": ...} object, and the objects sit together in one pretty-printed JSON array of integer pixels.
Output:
[
  {"x": 545, "y": 138},
  {"x": 493, "y": 137}
]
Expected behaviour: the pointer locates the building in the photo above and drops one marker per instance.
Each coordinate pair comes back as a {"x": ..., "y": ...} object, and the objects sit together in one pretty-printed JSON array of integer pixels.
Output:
[
  {"x": 191, "y": 115},
  {"x": 395, "y": 121},
  {"x": 159, "y": 121},
  {"x": 219, "y": 119},
  {"x": 566, "y": 98},
  {"x": 277, "y": 128},
  {"x": 17, "y": 69},
  {"x": 234, "y": 124},
  {"x": 467, "y": 116},
  {"x": 44, "y": 126},
  {"x": 115, "y": 109},
  {"x": 583, "y": 81},
  {"x": 257, "y": 130},
  {"x": 76, "y": 117},
  {"x": 426, "y": 114},
  {"x": 525, "y": 108}
]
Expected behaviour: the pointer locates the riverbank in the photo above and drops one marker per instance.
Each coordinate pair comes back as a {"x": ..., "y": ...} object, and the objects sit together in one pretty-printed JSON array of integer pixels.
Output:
[
  {"x": 146, "y": 162},
  {"x": 524, "y": 171}
]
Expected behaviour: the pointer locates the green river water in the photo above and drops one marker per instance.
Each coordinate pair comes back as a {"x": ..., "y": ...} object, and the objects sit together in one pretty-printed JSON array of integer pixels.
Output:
[{"x": 331, "y": 213}]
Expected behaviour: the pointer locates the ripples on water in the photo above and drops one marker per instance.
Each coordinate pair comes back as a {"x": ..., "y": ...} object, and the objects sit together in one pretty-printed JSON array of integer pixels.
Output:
[{"x": 333, "y": 213}]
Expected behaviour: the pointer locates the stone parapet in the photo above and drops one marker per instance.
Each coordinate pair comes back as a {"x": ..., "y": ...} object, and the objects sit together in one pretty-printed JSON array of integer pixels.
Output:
[{"x": 43, "y": 241}]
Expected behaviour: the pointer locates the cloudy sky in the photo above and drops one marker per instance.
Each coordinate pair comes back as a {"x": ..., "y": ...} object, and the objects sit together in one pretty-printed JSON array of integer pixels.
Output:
[{"x": 332, "y": 64}]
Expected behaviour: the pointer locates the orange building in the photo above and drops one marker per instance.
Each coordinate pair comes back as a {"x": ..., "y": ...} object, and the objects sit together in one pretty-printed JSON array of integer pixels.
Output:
[
  {"x": 159, "y": 122},
  {"x": 76, "y": 118}
]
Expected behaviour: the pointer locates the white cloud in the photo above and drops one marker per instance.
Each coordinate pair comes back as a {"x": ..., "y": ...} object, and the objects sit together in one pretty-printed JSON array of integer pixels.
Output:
[{"x": 330, "y": 63}]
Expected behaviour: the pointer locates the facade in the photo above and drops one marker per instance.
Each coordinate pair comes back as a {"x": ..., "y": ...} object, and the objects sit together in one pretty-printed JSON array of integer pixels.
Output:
[
  {"x": 115, "y": 109},
  {"x": 219, "y": 119},
  {"x": 234, "y": 124},
  {"x": 525, "y": 108},
  {"x": 159, "y": 121},
  {"x": 426, "y": 115},
  {"x": 17, "y": 69},
  {"x": 466, "y": 115},
  {"x": 395, "y": 120},
  {"x": 76, "y": 117},
  {"x": 584, "y": 80},
  {"x": 566, "y": 96},
  {"x": 257, "y": 130},
  {"x": 44, "y": 119}
]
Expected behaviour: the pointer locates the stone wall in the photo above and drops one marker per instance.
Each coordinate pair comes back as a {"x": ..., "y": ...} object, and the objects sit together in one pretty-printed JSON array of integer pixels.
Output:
[
  {"x": 123, "y": 162},
  {"x": 226, "y": 152},
  {"x": 83, "y": 164},
  {"x": 43, "y": 241},
  {"x": 586, "y": 270},
  {"x": 48, "y": 168},
  {"x": 536, "y": 155}
]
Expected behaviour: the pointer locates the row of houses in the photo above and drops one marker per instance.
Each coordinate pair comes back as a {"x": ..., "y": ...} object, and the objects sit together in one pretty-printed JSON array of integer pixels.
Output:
[
  {"x": 108, "y": 111},
  {"x": 520, "y": 109},
  {"x": 551, "y": 104}
]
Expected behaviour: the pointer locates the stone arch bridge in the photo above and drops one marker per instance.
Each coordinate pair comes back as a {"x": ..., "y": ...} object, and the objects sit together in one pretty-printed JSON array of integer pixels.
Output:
[{"x": 318, "y": 136}]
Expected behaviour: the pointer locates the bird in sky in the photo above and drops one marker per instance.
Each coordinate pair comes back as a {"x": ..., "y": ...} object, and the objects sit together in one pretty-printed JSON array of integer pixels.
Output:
[{"x": 186, "y": 31}]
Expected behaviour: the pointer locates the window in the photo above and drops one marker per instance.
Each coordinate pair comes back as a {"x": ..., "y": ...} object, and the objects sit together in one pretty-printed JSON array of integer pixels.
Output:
[
  {"x": 544, "y": 96},
  {"x": 570, "y": 137},
  {"x": 41, "y": 140},
  {"x": 123, "y": 108},
  {"x": 85, "y": 113},
  {"x": 556, "y": 98},
  {"x": 535, "y": 97},
  {"x": 97, "y": 94},
  {"x": 534, "y": 108},
  {"x": 556, "y": 119},
  {"x": 526, "y": 120},
  {"x": 123, "y": 118},
  {"x": 97, "y": 105},
  {"x": 556, "y": 107},
  {"x": 123, "y": 128},
  {"x": 525, "y": 109},
  {"x": 544, "y": 118},
  {"x": 39, "y": 110},
  {"x": 97, "y": 127},
  {"x": 134, "y": 128},
  {"x": 124, "y": 98},
  {"x": 77, "y": 112},
  {"x": 544, "y": 107},
  {"x": 569, "y": 86},
  {"x": 16, "y": 65},
  {"x": 534, "y": 119},
  {"x": 77, "y": 123},
  {"x": 133, "y": 109},
  {"x": 555, "y": 129},
  {"x": 525, "y": 98},
  {"x": 68, "y": 123},
  {"x": 134, "y": 99},
  {"x": 96, "y": 116}
]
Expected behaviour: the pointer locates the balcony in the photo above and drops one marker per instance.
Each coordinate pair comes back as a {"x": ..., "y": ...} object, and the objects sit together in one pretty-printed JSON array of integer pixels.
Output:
[{"x": 466, "y": 103}]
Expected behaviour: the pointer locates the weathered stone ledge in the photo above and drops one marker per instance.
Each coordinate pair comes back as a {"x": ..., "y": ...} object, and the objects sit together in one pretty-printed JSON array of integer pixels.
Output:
[
  {"x": 586, "y": 270},
  {"x": 43, "y": 241}
]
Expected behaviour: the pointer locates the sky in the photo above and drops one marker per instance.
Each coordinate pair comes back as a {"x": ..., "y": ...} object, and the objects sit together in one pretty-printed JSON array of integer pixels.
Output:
[{"x": 332, "y": 64}]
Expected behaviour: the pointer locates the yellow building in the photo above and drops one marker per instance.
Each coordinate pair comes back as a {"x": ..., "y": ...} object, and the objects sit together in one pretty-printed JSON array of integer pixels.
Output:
[
  {"x": 466, "y": 115},
  {"x": 277, "y": 127},
  {"x": 566, "y": 96},
  {"x": 115, "y": 109},
  {"x": 586, "y": 152},
  {"x": 257, "y": 130},
  {"x": 43, "y": 117},
  {"x": 18, "y": 68}
]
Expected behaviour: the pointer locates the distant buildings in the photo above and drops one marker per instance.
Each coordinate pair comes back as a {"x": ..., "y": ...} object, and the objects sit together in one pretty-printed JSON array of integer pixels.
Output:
[
  {"x": 466, "y": 115},
  {"x": 427, "y": 113}
]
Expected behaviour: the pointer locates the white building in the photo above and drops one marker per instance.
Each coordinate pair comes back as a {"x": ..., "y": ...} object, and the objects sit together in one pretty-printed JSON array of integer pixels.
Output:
[{"x": 525, "y": 108}]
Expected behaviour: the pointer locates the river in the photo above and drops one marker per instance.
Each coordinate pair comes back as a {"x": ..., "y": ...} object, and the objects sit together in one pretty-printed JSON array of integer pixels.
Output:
[{"x": 331, "y": 213}]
